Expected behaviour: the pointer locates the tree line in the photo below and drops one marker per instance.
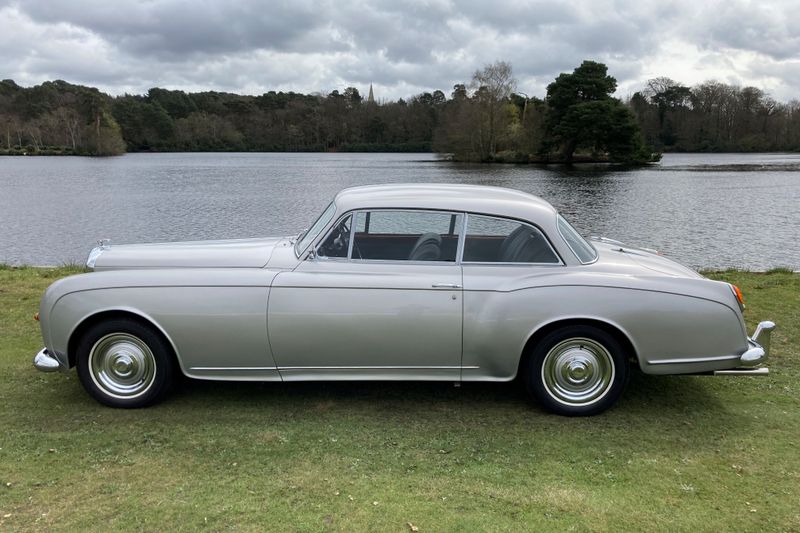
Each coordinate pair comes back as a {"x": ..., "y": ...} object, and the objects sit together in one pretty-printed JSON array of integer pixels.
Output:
[
  {"x": 57, "y": 117},
  {"x": 484, "y": 119},
  {"x": 715, "y": 117}
]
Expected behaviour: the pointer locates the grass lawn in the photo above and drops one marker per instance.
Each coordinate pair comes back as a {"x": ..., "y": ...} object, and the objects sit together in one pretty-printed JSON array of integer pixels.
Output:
[{"x": 677, "y": 453}]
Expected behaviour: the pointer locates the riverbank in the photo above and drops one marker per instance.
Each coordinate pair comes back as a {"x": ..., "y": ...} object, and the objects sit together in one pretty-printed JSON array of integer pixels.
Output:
[
  {"x": 366, "y": 148},
  {"x": 381, "y": 456},
  {"x": 508, "y": 156},
  {"x": 35, "y": 152},
  {"x": 520, "y": 158}
]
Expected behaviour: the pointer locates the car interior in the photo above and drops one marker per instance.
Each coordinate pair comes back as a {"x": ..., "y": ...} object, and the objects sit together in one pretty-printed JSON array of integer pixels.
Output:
[{"x": 524, "y": 244}]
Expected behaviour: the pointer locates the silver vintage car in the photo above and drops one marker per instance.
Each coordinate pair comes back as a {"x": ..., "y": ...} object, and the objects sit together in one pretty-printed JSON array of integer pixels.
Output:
[{"x": 398, "y": 282}]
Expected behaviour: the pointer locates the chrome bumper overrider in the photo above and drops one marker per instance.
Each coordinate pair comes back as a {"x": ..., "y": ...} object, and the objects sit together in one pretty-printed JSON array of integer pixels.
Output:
[
  {"x": 45, "y": 362},
  {"x": 755, "y": 355}
]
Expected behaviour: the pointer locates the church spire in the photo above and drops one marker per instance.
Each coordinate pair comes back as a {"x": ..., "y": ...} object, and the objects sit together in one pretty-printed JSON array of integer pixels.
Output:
[{"x": 371, "y": 97}]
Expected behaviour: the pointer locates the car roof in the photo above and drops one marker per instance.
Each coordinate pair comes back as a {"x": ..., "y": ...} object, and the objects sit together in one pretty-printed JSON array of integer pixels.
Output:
[{"x": 447, "y": 197}]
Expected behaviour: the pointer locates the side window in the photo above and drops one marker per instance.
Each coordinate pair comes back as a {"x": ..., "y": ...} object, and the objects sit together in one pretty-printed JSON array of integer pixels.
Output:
[
  {"x": 499, "y": 240},
  {"x": 585, "y": 251},
  {"x": 337, "y": 242},
  {"x": 406, "y": 235}
]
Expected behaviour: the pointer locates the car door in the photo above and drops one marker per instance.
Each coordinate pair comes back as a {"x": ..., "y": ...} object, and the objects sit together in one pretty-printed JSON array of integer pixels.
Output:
[{"x": 382, "y": 301}]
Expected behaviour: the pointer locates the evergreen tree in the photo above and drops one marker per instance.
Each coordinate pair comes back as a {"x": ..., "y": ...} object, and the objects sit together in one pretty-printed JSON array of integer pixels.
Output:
[{"x": 581, "y": 113}]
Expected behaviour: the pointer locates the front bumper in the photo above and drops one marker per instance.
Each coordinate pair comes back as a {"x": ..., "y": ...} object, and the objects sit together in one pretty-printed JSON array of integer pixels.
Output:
[
  {"x": 45, "y": 362},
  {"x": 756, "y": 354}
]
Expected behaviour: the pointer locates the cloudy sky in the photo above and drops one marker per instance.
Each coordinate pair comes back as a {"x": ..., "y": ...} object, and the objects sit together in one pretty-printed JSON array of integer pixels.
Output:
[{"x": 403, "y": 48}]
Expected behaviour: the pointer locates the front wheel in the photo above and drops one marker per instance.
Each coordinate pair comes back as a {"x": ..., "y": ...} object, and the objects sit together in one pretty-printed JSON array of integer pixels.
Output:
[
  {"x": 577, "y": 371},
  {"x": 123, "y": 363}
]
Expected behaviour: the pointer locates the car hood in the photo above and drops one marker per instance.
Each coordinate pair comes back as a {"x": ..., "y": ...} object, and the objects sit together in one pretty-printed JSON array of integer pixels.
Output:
[
  {"x": 617, "y": 254},
  {"x": 239, "y": 253}
]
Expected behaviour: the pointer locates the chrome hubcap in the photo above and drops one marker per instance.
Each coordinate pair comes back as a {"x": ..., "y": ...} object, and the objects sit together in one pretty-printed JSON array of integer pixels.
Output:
[
  {"x": 122, "y": 365},
  {"x": 578, "y": 371}
]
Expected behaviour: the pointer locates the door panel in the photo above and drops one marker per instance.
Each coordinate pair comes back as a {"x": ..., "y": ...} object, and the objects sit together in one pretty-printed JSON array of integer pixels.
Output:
[{"x": 332, "y": 319}]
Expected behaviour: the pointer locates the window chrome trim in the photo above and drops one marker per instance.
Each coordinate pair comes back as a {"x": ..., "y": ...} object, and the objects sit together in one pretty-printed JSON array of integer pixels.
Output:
[
  {"x": 392, "y": 261},
  {"x": 334, "y": 259},
  {"x": 506, "y": 263},
  {"x": 352, "y": 237},
  {"x": 462, "y": 239}
]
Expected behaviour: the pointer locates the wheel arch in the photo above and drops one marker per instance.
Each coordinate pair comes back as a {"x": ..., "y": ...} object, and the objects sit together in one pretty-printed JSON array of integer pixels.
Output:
[
  {"x": 98, "y": 317},
  {"x": 612, "y": 329}
]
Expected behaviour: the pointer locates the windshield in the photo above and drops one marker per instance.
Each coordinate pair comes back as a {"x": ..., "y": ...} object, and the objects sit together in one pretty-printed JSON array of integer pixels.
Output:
[
  {"x": 312, "y": 233},
  {"x": 579, "y": 246}
]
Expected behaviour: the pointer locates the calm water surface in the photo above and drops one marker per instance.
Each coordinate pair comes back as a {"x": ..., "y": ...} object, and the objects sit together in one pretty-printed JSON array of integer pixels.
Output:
[{"x": 705, "y": 210}]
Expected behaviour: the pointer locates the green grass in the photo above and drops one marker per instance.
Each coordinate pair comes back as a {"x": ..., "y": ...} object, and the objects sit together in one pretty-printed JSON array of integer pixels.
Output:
[{"x": 677, "y": 453}]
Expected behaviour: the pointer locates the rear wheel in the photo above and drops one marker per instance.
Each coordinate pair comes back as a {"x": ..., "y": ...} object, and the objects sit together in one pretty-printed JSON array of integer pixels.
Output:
[
  {"x": 123, "y": 363},
  {"x": 577, "y": 371}
]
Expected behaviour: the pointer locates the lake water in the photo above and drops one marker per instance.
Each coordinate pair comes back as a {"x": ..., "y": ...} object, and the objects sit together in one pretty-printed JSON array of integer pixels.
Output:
[{"x": 705, "y": 210}]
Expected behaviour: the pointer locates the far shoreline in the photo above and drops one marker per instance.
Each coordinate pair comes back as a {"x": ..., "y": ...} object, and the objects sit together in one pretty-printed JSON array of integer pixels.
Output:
[{"x": 443, "y": 158}]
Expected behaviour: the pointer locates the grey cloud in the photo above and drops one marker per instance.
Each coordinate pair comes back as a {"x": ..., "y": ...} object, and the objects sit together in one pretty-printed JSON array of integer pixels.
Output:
[
  {"x": 785, "y": 86},
  {"x": 526, "y": 17},
  {"x": 410, "y": 35},
  {"x": 181, "y": 27},
  {"x": 768, "y": 29},
  {"x": 246, "y": 45}
]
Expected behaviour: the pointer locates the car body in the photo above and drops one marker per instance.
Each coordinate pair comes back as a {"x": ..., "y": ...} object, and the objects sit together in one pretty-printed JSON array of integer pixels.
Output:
[{"x": 398, "y": 282}]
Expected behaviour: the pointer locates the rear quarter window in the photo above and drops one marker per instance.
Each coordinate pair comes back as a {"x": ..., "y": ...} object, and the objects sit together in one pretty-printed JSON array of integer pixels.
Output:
[
  {"x": 582, "y": 249},
  {"x": 498, "y": 240}
]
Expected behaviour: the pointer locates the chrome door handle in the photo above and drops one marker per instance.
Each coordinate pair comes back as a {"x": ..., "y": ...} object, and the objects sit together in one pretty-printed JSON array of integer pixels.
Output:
[{"x": 446, "y": 286}]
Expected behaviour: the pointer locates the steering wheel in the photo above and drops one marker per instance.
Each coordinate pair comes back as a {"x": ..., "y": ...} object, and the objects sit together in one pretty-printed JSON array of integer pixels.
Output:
[
  {"x": 341, "y": 241},
  {"x": 336, "y": 244}
]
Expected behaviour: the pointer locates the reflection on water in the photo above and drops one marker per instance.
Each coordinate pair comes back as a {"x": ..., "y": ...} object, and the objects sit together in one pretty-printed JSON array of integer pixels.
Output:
[{"x": 706, "y": 210}]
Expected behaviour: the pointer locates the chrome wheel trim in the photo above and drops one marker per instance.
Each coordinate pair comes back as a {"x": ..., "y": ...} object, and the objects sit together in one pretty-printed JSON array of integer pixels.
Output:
[
  {"x": 122, "y": 365},
  {"x": 578, "y": 372}
]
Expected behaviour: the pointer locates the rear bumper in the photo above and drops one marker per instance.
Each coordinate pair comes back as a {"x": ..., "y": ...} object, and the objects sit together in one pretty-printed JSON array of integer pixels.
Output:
[
  {"x": 756, "y": 354},
  {"x": 45, "y": 362},
  {"x": 746, "y": 363}
]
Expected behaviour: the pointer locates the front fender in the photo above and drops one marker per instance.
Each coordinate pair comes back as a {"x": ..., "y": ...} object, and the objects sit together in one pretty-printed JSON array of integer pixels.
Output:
[{"x": 215, "y": 320}]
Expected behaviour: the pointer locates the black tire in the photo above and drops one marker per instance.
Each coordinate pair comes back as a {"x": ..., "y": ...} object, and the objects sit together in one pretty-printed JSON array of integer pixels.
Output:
[
  {"x": 577, "y": 371},
  {"x": 124, "y": 363}
]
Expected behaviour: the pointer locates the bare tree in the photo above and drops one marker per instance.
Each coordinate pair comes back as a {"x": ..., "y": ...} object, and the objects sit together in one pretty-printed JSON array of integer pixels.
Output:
[
  {"x": 35, "y": 134},
  {"x": 493, "y": 86},
  {"x": 71, "y": 121},
  {"x": 5, "y": 120},
  {"x": 19, "y": 128}
]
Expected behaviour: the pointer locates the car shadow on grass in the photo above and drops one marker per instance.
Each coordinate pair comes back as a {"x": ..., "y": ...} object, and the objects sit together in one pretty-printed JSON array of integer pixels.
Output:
[
  {"x": 660, "y": 410},
  {"x": 678, "y": 397}
]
